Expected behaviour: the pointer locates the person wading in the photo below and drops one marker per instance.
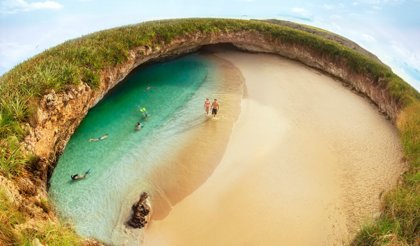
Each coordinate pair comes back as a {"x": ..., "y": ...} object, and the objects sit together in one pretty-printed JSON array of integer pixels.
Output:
[
  {"x": 214, "y": 107},
  {"x": 207, "y": 105}
]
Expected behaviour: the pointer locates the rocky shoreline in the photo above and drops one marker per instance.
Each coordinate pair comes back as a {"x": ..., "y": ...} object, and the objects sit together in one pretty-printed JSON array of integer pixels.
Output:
[{"x": 141, "y": 212}]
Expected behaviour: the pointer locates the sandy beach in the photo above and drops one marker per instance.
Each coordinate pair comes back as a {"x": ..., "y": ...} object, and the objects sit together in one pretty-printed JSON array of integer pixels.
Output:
[
  {"x": 306, "y": 164},
  {"x": 191, "y": 147}
]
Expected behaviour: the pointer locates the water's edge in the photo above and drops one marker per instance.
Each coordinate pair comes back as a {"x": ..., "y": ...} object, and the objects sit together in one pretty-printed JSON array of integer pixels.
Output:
[{"x": 100, "y": 205}]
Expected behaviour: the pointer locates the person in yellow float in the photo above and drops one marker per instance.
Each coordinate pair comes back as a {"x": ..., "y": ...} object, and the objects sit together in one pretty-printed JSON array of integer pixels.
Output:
[{"x": 143, "y": 110}]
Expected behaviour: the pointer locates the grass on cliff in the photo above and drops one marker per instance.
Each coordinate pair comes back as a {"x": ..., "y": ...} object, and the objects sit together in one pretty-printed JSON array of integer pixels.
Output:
[
  {"x": 48, "y": 233},
  {"x": 84, "y": 59},
  {"x": 9, "y": 218},
  {"x": 399, "y": 223},
  {"x": 51, "y": 234}
]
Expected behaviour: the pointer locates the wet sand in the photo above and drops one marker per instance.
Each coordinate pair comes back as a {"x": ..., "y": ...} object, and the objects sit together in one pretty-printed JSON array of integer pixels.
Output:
[
  {"x": 306, "y": 164},
  {"x": 199, "y": 150}
]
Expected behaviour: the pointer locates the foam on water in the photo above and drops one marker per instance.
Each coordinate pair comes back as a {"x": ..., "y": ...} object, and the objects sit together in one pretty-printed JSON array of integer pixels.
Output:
[{"x": 173, "y": 93}]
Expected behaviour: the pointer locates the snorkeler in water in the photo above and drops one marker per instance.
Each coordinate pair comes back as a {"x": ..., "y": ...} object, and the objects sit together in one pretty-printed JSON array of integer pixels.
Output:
[
  {"x": 76, "y": 176},
  {"x": 99, "y": 139}
]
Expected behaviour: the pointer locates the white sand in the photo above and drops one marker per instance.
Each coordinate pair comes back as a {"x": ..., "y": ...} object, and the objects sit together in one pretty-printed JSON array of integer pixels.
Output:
[{"x": 305, "y": 165}]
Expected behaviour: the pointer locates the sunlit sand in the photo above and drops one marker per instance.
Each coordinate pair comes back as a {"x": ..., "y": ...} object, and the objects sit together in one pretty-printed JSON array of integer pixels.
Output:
[{"x": 306, "y": 164}]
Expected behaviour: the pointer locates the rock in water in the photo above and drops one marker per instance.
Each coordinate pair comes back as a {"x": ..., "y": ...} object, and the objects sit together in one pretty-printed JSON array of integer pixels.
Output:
[{"x": 141, "y": 210}]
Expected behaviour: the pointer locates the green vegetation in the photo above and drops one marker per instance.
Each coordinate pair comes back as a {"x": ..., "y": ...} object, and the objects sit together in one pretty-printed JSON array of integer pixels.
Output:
[
  {"x": 84, "y": 59},
  {"x": 400, "y": 222},
  {"x": 9, "y": 217},
  {"x": 325, "y": 34},
  {"x": 51, "y": 234},
  {"x": 46, "y": 232}
]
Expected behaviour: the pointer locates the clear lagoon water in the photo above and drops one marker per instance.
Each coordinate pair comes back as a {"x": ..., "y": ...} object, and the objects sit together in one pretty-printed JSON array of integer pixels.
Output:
[{"x": 173, "y": 93}]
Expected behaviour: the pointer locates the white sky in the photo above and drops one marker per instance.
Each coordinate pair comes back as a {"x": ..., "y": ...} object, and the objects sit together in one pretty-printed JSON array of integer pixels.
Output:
[{"x": 388, "y": 28}]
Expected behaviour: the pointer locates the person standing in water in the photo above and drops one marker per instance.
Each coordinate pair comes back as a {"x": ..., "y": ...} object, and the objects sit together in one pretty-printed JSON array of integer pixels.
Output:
[
  {"x": 207, "y": 105},
  {"x": 214, "y": 107}
]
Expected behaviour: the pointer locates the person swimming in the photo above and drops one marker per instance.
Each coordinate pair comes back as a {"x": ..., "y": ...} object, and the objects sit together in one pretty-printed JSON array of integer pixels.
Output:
[
  {"x": 76, "y": 176},
  {"x": 138, "y": 126},
  {"x": 99, "y": 139},
  {"x": 143, "y": 110}
]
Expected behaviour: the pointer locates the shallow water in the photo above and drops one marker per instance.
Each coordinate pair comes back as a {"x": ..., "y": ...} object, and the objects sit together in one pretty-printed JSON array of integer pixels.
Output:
[{"x": 124, "y": 164}]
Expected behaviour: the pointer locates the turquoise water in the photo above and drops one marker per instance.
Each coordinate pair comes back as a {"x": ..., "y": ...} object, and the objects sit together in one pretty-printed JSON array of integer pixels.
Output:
[{"x": 173, "y": 93}]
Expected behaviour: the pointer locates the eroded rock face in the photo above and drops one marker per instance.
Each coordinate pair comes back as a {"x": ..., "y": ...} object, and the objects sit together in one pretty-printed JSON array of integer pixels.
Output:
[{"x": 141, "y": 212}]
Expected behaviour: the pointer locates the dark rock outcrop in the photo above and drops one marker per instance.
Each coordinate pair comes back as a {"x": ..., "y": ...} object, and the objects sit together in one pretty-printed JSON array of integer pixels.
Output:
[{"x": 141, "y": 212}]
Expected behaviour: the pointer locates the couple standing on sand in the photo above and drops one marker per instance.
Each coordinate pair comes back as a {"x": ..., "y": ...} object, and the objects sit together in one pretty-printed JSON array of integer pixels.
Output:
[{"x": 214, "y": 107}]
